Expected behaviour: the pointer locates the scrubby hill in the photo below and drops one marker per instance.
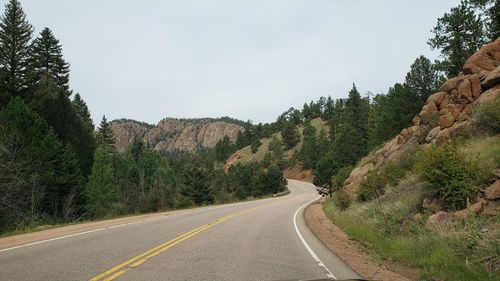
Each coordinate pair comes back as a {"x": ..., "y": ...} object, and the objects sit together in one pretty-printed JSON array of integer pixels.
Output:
[{"x": 245, "y": 155}]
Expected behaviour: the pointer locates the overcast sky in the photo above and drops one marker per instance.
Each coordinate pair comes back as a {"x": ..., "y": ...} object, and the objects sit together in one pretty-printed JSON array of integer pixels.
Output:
[{"x": 147, "y": 60}]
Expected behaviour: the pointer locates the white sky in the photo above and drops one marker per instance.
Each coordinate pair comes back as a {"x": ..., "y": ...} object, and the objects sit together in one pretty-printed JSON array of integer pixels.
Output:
[{"x": 147, "y": 60}]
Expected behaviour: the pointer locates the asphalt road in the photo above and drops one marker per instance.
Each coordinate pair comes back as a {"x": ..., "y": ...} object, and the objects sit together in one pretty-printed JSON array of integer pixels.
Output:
[{"x": 256, "y": 240}]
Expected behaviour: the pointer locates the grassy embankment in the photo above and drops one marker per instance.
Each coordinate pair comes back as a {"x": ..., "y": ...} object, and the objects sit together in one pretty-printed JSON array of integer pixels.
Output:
[{"x": 391, "y": 223}]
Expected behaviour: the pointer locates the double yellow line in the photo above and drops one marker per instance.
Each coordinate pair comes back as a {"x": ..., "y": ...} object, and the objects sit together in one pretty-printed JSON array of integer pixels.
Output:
[{"x": 120, "y": 269}]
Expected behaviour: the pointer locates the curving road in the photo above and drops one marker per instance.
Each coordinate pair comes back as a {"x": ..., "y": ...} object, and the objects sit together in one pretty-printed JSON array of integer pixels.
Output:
[{"x": 256, "y": 240}]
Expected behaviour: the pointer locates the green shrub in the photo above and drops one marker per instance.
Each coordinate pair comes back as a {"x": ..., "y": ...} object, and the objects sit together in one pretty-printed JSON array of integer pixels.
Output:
[
  {"x": 342, "y": 200},
  {"x": 339, "y": 179},
  {"x": 255, "y": 146},
  {"x": 449, "y": 175},
  {"x": 486, "y": 117},
  {"x": 372, "y": 185}
]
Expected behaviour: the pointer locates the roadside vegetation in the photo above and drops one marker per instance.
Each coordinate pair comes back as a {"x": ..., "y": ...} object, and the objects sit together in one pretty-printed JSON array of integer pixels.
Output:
[{"x": 388, "y": 219}]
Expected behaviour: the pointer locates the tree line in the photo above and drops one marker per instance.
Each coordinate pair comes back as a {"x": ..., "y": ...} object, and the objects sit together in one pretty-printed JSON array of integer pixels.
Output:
[{"x": 56, "y": 167}]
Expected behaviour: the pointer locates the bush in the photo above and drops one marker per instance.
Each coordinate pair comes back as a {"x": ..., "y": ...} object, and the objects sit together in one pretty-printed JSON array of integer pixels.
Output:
[
  {"x": 449, "y": 175},
  {"x": 255, "y": 146},
  {"x": 372, "y": 185},
  {"x": 486, "y": 117},
  {"x": 342, "y": 200}
]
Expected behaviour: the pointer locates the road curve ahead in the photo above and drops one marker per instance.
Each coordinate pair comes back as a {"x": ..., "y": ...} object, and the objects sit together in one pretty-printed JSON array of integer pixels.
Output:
[{"x": 256, "y": 240}]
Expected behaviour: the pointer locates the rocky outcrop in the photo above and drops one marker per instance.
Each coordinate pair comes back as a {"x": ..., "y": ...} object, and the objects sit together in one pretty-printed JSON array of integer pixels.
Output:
[
  {"x": 171, "y": 134},
  {"x": 446, "y": 113}
]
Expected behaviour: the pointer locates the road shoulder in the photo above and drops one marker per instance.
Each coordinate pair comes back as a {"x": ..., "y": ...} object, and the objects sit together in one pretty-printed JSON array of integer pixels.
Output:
[{"x": 340, "y": 244}]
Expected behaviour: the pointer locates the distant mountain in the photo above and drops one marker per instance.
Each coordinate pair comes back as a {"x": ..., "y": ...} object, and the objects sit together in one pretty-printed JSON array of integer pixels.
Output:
[{"x": 171, "y": 134}]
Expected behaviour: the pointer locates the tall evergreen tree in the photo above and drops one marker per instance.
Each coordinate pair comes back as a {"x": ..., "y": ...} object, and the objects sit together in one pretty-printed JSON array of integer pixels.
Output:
[
  {"x": 458, "y": 34},
  {"x": 83, "y": 111},
  {"x": 105, "y": 136},
  {"x": 490, "y": 14},
  {"x": 54, "y": 105},
  {"x": 196, "y": 187},
  {"x": 15, "y": 35},
  {"x": 352, "y": 142},
  {"x": 223, "y": 149},
  {"x": 290, "y": 135},
  {"x": 421, "y": 81},
  {"x": 46, "y": 59},
  {"x": 101, "y": 193}
]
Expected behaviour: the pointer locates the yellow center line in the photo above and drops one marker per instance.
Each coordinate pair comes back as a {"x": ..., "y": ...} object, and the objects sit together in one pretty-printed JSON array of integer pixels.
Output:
[{"x": 120, "y": 269}]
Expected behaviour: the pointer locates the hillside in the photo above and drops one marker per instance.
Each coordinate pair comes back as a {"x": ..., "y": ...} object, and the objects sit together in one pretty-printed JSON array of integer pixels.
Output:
[
  {"x": 172, "y": 134},
  {"x": 426, "y": 203},
  {"x": 245, "y": 154},
  {"x": 446, "y": 115}
]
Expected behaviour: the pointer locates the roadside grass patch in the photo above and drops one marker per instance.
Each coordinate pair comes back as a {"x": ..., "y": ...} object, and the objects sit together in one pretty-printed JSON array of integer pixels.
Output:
[{"x": 439, "y": 254}]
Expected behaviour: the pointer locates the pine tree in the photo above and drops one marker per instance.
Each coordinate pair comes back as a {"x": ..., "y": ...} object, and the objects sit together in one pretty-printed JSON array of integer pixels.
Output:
[
  {"x": 15, "y": 35},
  {"x": 53, "y": 104},
  {"x": 83, "y": 111},
  {"x": 46, "y": 59},
  {"x": 352, "y": 142},
  {"x": 105, "y": 136},
  {"x": 489, "y": 10},
  {"x": 196, "y": 186},
  {"x": 101, "y": 192},
  {"x": 308, "y": 153},
  {"x": 421, "y": 81},
  {"x": 290, "y": 135},
  {"x": 458, "y": 34},
  {"x": 223, "y": 149}
]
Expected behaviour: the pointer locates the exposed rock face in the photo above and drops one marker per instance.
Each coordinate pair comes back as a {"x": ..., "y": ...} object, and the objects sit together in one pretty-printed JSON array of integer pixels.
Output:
[
  {"x": 176, "y": 134},
  {"x": 451, "y": 107}
]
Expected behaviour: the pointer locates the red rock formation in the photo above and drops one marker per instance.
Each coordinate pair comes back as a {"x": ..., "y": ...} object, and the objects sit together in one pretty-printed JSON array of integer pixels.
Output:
[{"x": 452, "y": 106}]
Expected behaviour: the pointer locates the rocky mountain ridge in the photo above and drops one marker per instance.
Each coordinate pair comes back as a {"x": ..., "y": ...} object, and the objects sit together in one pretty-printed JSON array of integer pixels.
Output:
[
  {"x": 171, "y": 134},
  {"x": 447, "y": 113}
]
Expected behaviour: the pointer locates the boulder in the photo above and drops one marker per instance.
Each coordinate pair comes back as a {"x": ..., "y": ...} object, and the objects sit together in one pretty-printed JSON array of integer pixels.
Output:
[
  {"x": 432, "y": 134},
  {"x": 428, "y": 111},
  {"x": 492, "y": 79},
  {"x": 446, "y": 120},
  {"x": 488, "y": 96},
  {"x": 466, "y": 113},
  {"x": 443, "y": 136},
  {"x": 433, "y": 204},
  {"x": 409, "y": 132},
  {"x": 483, "y": 60},
  {"x": 450, "y": 84},
  {"x": 439, "y": 220},
  {"x": 356, "y": 176},
  {"x": 446, "y": 101},
  {"x": 416, "y": 121},
  {"x": 475, "y": 209},
  {"x": 475, "y": 85},
  {"x": 460, "y": 129},
  {"x": 436, "y": 98},
  {"x": 465, "y": 91},
  {"x": 493, "y": 191}
]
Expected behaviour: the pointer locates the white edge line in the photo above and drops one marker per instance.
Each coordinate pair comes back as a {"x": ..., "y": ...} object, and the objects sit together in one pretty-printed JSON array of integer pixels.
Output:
[
  {"x": 309, "y": 249},
  {"x": 76, "y": 234}
]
